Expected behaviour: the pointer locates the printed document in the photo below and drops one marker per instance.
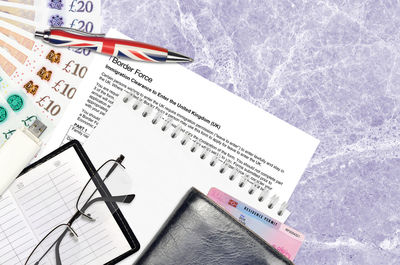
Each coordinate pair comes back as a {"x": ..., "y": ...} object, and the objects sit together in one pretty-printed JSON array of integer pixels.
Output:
[
  {"x": 269, "y": 153},
  {"x": 178, "y": 130}
]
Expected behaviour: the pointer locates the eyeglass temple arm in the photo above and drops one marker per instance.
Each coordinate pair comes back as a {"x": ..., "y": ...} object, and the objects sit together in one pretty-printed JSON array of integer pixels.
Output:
[
  {"x": 57, "y": 242},
  {"x": 117, "y": 161},
  {"x": 122, "y": 199},
  {"x": 57, "y": 247}
]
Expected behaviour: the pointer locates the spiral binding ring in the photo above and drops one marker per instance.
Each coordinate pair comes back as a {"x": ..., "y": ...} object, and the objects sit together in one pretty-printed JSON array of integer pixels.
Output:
[
  {"x": 137, "y": 104},
  {"x": 252, "y": 188},
  {"x": 263, "y": 195},
  {"x": 214, "y": 160},
  {"x": 194, "y": 147},
  {"x": 282, "y": 208},
  {"x": 126, "y": 99},
  {"x": 273, "y": 201},
  {"x": 185, "y": 139},
  {"x": 244, "y": 178},
  {"x": 233, "y": 174},
  {"x": 147, "y": 111},
  {"x": 204, "y": 154},
  {"x": 156, "y": 118},
  {"x": 223, "y": 167},
  {"x": 166, "y": 125}
]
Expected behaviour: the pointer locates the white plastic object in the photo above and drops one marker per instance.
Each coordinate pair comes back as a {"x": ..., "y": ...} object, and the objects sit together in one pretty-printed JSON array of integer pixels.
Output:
[{"x": 15, "y": 155}]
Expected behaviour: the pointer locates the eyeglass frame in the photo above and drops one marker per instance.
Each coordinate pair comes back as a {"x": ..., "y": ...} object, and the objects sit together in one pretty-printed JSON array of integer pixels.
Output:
[{"x": 106, "y": 197}]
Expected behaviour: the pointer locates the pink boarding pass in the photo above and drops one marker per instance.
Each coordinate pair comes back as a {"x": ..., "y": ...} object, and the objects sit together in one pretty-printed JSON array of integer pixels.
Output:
[{"x": 285, "y": 239}]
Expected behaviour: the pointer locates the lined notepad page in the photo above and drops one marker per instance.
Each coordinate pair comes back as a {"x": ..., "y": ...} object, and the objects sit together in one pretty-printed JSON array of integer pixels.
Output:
[
  {"x": 44, "y": 198},
  {"x": 16, "y": 238}
]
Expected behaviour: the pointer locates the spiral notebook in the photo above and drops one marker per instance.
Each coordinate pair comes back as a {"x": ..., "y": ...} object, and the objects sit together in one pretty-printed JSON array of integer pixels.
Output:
[{"x": 181, "y": 130}]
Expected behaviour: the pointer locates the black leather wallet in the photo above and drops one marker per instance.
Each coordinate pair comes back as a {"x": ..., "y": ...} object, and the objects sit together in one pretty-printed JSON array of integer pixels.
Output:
[{"x": 199, "y": 232}]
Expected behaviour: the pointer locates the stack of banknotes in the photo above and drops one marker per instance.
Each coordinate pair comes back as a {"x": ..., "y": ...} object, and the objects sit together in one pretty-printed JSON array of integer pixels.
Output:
[{"x": 39, "y": 81}]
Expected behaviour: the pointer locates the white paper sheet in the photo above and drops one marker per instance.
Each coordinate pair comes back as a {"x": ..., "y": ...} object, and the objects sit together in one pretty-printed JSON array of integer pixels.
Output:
[{"x": 260, "y": 150}]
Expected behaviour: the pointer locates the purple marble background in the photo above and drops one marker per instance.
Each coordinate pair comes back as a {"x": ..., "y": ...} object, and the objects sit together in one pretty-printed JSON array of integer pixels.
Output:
[{"x": 331, "y": 68}]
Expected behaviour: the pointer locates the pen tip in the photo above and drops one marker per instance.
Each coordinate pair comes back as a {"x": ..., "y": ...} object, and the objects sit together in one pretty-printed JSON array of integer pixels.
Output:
[
  {"x": 177, "y": 58},
  {"x": 39, "y": 34}
]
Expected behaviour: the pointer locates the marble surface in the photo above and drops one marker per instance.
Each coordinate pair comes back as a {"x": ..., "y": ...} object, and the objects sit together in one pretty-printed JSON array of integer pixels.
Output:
[{"x": 331, "y": 68}]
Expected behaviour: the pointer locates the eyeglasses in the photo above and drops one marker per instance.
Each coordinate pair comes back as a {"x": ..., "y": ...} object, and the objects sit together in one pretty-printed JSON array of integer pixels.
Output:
[{"x": 109, "y": 179}]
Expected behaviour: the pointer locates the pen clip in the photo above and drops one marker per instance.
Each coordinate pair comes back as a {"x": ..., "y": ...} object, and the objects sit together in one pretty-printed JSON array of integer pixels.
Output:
[{"x": 78, "y": 32}]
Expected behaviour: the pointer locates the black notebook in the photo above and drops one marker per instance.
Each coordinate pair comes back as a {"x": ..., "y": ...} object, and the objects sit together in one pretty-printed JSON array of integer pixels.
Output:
[
  {"x": 43, "y": 197},
  {"x": 199, "y": 232}
]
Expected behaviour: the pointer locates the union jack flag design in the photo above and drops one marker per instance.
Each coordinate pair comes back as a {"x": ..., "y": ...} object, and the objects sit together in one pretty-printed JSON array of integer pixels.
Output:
[{"x": 116, "y": 47}]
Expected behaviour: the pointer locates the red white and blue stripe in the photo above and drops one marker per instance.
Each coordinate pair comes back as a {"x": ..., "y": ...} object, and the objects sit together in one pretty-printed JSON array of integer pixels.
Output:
[{"x": 116, "y": 47}]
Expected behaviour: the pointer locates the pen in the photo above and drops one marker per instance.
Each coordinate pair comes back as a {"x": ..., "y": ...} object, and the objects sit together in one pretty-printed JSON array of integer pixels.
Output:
[{"x": 66, "y": 37}]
